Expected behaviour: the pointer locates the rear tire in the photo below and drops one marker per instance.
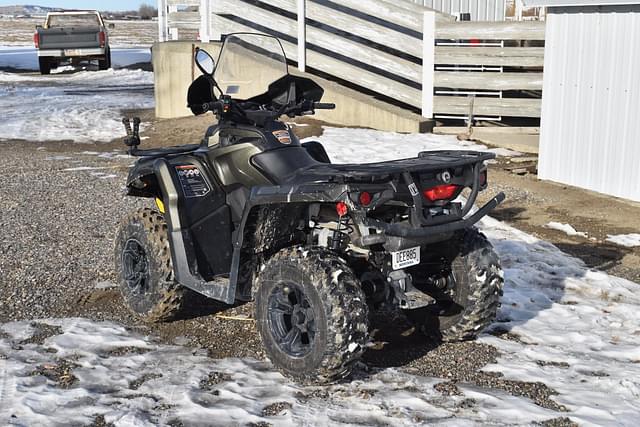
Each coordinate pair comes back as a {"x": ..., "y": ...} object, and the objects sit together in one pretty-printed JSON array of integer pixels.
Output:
[
  {"x": 473, "y": 289},
  {"x": 144, "y": 267},
  {"x": 311, "y": 315},
  {"x": 105, "y": 64},
  {"x": 45, "y": 66}
]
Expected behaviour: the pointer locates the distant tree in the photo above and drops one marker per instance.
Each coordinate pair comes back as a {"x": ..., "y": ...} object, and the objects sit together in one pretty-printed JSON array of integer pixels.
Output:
[{"x": 147, "y": 11}]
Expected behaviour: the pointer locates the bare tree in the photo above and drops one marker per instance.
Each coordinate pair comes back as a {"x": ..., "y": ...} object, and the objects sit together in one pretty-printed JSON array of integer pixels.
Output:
[{"x": 147, "y": 11}]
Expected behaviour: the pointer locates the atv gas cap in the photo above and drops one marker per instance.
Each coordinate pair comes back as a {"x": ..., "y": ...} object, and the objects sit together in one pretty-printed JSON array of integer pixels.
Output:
[{"x": 205, "y": 62}]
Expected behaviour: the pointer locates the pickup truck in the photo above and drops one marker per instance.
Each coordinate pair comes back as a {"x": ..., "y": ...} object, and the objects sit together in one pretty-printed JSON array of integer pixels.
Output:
[{"x": 72, "y": 36}]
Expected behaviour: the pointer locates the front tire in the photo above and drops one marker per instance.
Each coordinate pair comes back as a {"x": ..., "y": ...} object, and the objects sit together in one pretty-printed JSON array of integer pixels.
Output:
[
  {"x": 311, "y": 315},
  {"x": 144, "y": 267},
  {"x": 470, "y": 292}
]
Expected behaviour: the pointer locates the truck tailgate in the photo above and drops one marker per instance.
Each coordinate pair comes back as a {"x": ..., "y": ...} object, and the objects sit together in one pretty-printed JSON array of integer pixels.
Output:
[{"x": 69, "y": 38}]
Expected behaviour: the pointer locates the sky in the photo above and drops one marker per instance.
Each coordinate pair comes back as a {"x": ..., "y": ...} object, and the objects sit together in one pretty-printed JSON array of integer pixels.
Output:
[{"x": 79, "y": 4}]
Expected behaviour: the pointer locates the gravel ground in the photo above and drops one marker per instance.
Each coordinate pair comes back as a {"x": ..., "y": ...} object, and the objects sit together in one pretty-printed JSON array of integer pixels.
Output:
[
  {"x": 62, "y": 204},
  {"x": 56, "y": 261}
]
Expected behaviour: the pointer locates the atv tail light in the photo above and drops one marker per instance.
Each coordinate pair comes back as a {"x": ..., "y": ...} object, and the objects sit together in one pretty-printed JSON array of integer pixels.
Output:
[
  {"x": 36, "y": 40},
  {"x": 365, "y": 198},
  {"x": 441, "y": 192},
  {"x": 102, "y": 38},
  {"x": 342, "y": 209}
]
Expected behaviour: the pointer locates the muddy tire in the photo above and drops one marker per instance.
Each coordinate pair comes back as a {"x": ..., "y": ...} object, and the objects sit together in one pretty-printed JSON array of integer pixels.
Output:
[
  {"x": 311, "y": 315},
  {"x": 105, "y": 63},
  {"x": 473, "y": 290},
  {"x": 45, "y": 66},
  {"x": 144, "y": 267}
]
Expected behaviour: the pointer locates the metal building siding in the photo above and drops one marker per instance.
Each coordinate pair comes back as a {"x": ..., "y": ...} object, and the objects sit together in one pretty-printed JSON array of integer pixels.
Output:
[
  {"x": 480, "y": 10},
  {"x": 590, "y": 125}
]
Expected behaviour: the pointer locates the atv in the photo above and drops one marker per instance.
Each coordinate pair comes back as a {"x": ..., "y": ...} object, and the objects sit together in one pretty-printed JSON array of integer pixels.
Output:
[{"x": 252, "y": 214}]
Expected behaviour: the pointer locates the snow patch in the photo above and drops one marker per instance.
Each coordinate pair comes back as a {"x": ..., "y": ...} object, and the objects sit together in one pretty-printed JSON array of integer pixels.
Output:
[
  {"x": 80, "y": 107},
  {"x": 628, "y": 240},
  {"x": 371, "y": 146},
  {"x": 335, "y": 276},
  {"x": 565, "y": 228}
]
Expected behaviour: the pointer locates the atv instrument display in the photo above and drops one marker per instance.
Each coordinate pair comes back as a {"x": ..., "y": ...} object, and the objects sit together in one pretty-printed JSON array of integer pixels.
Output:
[{"x": 252, "y": 214}]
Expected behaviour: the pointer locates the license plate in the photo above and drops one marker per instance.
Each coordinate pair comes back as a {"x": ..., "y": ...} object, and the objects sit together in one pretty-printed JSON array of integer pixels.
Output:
[
  {"x": 405, "y": 258},
  {"x": 72, "y": 52}
]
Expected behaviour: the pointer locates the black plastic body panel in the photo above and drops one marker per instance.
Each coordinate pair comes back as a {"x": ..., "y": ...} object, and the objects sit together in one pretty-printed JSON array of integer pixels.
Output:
[{"x": 204, "y": 214}]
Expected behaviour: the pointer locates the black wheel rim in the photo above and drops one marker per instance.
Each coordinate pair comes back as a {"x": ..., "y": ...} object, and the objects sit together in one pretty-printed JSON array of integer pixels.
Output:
[
  {"x": 135, "y": 266},
  {"x": 291, "y": 319}
]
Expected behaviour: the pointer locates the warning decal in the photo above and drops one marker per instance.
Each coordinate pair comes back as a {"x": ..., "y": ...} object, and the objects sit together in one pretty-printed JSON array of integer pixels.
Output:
[{"x": 192, "y": 181}]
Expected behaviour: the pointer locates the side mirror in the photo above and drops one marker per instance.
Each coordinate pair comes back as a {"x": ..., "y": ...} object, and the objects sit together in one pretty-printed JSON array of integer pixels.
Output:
[
  {"x": 205, "y": 62},
  {"x": 111, "y": 25}
]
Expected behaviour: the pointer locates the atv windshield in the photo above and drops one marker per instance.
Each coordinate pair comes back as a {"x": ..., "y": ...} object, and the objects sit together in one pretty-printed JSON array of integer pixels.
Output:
[{"x": 248, "y": 64}]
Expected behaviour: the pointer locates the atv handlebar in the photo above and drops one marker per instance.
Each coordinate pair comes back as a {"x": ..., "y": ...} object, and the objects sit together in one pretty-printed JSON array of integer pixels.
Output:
[{"x": 303, "y": 108}]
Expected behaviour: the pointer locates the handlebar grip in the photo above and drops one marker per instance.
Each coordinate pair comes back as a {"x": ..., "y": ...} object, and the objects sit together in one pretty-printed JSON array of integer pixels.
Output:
[
  {"x": 127, "y": 126},
  {"x": 212, "y": 106},
  {"x": 323, "y": 106}
]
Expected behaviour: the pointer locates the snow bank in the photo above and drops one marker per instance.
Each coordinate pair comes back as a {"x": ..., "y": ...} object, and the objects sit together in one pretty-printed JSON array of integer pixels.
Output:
[
  {"x": 628, "y": 240},
  {"x": 81, "y": 107},
  {"x": 26, "y": 58},
  {"x": 366, "y": 146}
]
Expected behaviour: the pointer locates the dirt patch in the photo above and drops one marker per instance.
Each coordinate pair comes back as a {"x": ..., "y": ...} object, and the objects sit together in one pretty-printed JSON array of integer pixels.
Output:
[
  {"x": 275, "y": 409},
  {"x": 124, "y": 351},
  {"x": 135, "y": 384},
  {"x": 99, "y": 421},
  {"x": 531, "y": 204},
  {"x": 213, "y": 379},
  {"x": 61, "y": 373},
  {"x": 41, "y": 333},
  {"x": 557, "y": 422}
]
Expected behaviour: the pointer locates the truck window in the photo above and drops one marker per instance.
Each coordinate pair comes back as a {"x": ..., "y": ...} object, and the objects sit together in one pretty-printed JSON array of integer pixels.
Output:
[{"x": 80, "y": 20}]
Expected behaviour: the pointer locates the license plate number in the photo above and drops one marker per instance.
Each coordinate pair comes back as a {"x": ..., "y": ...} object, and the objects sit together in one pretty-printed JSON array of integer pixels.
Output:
[
  {"x": 405, "y": 258},
  {"x": 72, "y": 52}
]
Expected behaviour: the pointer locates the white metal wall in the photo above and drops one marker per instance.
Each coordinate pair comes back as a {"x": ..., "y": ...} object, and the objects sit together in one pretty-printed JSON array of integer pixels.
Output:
[
  {"x": 480, "y": 10},
  {"x": 590, "y": 125}
]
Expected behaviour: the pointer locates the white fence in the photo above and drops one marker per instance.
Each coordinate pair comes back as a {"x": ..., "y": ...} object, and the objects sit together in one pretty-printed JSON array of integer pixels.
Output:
[{"x": 388, "y": 48}]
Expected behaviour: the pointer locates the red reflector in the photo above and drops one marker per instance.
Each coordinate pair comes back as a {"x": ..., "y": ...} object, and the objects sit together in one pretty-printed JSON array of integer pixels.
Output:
[
  {"x": 483, "y": 178},
  {"x": 365, "y": 198},
  {"x": 441, "y": 192},
  {"x": 36, "y": 40},
  {"x": 102, "y": 38},
  {"x": 341, "y": 209}
]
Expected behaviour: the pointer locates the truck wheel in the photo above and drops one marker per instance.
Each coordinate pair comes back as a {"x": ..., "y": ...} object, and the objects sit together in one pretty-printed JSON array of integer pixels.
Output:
[
  {"x": 469, "y": 291},
  {"x": 144, "y": 267},
  {"x": 45, "y": 66},
  {"x": 105, "y": 64},
  {"x": 311, "y": 315}
]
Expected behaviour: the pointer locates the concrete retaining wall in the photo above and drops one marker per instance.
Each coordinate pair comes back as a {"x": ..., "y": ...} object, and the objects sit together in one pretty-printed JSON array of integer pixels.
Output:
[{"x": 174, "y": 70}]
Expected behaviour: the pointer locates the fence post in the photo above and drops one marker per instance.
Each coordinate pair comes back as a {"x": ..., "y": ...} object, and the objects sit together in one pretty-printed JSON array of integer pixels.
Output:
[
  {"x": 173, "y": 31},
  {"x": 205, "y": 21},
  {"x": 428, "y": 62},
  {"x": 162, "y": 20},
  {"x": 302, "y": 36}
]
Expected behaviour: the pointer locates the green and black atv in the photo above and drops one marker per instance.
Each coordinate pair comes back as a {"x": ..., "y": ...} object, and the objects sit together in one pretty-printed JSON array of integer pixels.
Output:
[{"x": 252, "y": 214}]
